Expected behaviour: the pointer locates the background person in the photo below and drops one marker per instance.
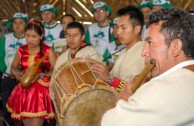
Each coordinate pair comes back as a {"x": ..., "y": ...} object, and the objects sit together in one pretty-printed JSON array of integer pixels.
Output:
[
  {"x": 99, "y": 34},
  {"x": 60, "y": 45},
  {"x": 159, "y": 4},
  {"x": 65, "y": 20},
  {"x": 52, "y": 28},
  {"x": 8, "y": 47},
  {"x": 115, "y": 48},
  {"x": 146, "y": 8}
]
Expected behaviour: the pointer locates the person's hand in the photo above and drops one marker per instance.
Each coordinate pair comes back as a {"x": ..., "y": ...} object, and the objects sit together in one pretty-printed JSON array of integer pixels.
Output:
[
  {"x": 110, "y": 66},
  {"x": 101, "y": 69},
  {"x": 64, "y": 48},
  {"x": 57, "y": 54},
  {"x": 17, "y": 75},
  {"x": 38, "y": 76},
  {"x": 125, "y": 91}
]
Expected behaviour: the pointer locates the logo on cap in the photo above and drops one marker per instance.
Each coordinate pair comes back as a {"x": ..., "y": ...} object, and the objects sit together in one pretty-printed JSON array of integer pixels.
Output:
[{"x": 98, "y": 4}]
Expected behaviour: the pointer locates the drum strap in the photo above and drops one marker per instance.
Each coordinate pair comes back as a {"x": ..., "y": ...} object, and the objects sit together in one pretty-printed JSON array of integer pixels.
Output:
[
  {"x": 83, "y": 45},
  {"x": 190, "y": 67}
]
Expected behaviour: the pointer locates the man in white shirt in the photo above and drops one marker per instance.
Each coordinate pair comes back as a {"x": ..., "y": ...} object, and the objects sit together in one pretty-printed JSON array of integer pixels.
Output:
[
  {"x": 52, "y": 28},
  {"x": 8, "y": 47},
  {"x": 167, "y": 99},
  {"x": 99, "y": 34},
  {"x": 130, "y": 62}
]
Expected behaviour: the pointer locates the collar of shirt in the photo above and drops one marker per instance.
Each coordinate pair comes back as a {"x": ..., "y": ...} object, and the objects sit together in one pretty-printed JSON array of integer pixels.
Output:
[{"x": 178, "y": 66}]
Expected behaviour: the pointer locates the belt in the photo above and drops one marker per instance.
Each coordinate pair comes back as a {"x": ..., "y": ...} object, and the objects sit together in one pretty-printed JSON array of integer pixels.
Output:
[{"x": 6, "y": 75}]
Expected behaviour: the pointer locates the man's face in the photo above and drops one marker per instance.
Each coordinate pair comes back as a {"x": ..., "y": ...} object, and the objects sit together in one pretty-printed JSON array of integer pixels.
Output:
[
  {"x": 101, "y": 14},
  {"x": 47, "y": 16},
  {"x": 156, "y": 48},
  {"x": 146, "y": 11},
  {"x": 115, "y": 31},
  {"x": 74, "y": 38},
  {"x": 18, "y": 25},
  {"x": 125, "y": 31},
  {"x": 65, "y": 21}
]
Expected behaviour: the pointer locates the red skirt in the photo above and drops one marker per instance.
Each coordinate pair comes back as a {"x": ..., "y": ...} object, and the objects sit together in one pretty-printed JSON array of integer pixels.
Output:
[{"x": 34, "y": 102}]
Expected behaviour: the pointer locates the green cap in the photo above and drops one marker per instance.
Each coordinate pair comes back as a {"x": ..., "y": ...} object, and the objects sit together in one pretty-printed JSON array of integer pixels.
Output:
[
  {"x": 48, "y": 7},
  {"x": 163, "y": 3},
  {"x": 17, "y": 15},
  {"x": 115, "y": 20},
  {"x": 145, "y": 4},
  {"x": 101, "y": 5}
]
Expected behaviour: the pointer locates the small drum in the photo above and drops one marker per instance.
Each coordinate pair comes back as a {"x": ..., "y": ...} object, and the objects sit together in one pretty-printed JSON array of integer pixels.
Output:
[{"x": 80, "y": 97}]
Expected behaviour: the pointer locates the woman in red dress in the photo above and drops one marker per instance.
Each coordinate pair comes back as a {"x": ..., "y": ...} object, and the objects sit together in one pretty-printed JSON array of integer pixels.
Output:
[{"x": 32, "y": 105}]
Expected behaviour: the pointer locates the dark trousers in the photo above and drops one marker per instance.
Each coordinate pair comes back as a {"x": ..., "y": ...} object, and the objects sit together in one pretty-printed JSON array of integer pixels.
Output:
[
  {"x": 7, "y": 85},
  {"x": 51, "y": 122}
]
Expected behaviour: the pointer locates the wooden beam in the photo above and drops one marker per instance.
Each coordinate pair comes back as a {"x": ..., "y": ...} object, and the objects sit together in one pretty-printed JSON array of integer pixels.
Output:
[
  {"x": 6, "y": 10},
  {"x": 71, "y": 11},
  {"x": 8, "y": 7},
  {"x": 87, "y": 6},
  {"x": 84, "y": 19},
  {"x": 82, "y": 11}
]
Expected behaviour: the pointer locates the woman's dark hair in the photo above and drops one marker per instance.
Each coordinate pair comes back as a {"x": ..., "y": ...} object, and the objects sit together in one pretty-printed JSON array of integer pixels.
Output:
[
  {"x": 176, "y": 24},
  {"x": 76, "y": 25}
]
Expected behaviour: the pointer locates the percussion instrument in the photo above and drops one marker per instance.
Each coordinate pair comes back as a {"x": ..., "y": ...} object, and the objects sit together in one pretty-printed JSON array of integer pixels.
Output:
[{"x": 79, "y": 95}]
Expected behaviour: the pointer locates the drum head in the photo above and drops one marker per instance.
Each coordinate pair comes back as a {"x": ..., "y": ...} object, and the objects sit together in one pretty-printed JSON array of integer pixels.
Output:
[{"x": 88, "y": 108}]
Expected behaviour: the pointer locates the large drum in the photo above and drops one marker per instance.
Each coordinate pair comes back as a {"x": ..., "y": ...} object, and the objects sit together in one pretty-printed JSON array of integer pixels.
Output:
[{"x": 80, "y": 97}]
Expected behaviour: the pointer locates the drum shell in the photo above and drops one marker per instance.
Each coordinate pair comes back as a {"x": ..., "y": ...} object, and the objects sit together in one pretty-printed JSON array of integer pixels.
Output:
[{"x": 80, "y": 97}]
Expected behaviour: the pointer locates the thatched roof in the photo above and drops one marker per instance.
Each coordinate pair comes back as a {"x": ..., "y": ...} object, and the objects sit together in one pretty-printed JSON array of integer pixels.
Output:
[{"x": 79, "y": 8}]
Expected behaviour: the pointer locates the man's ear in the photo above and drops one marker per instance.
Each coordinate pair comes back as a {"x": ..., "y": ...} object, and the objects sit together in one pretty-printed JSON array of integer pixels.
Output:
[
  {"x": 83, "y": 37},
  {"x": 53, "y": 15},
  {"x": 107, "y": 13},
  {"x": 137, "y": 29},
  {"x": 176, "y": 47}
]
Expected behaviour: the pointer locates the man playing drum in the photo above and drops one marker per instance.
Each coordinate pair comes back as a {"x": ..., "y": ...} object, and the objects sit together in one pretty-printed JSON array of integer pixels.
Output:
[
  {"x": 77, "y": 48},
  {"x": 74, "y": 88}
]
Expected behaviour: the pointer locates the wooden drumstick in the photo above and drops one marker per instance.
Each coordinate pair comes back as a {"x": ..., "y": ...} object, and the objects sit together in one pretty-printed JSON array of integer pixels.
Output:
[{"x": 137, "y": 83}]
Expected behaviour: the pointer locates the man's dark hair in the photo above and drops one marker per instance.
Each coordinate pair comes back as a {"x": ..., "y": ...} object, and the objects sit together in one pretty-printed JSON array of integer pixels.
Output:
[
  {"x": 76, "y": 25},
  {"x": 68, "y": 15},
  {"x": 135, "y": 15},
  {"x": 177, "y": 24}
]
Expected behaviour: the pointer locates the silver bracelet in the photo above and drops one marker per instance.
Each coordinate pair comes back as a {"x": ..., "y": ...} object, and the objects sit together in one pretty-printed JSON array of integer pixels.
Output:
[{"x": 110, "y": 79}]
